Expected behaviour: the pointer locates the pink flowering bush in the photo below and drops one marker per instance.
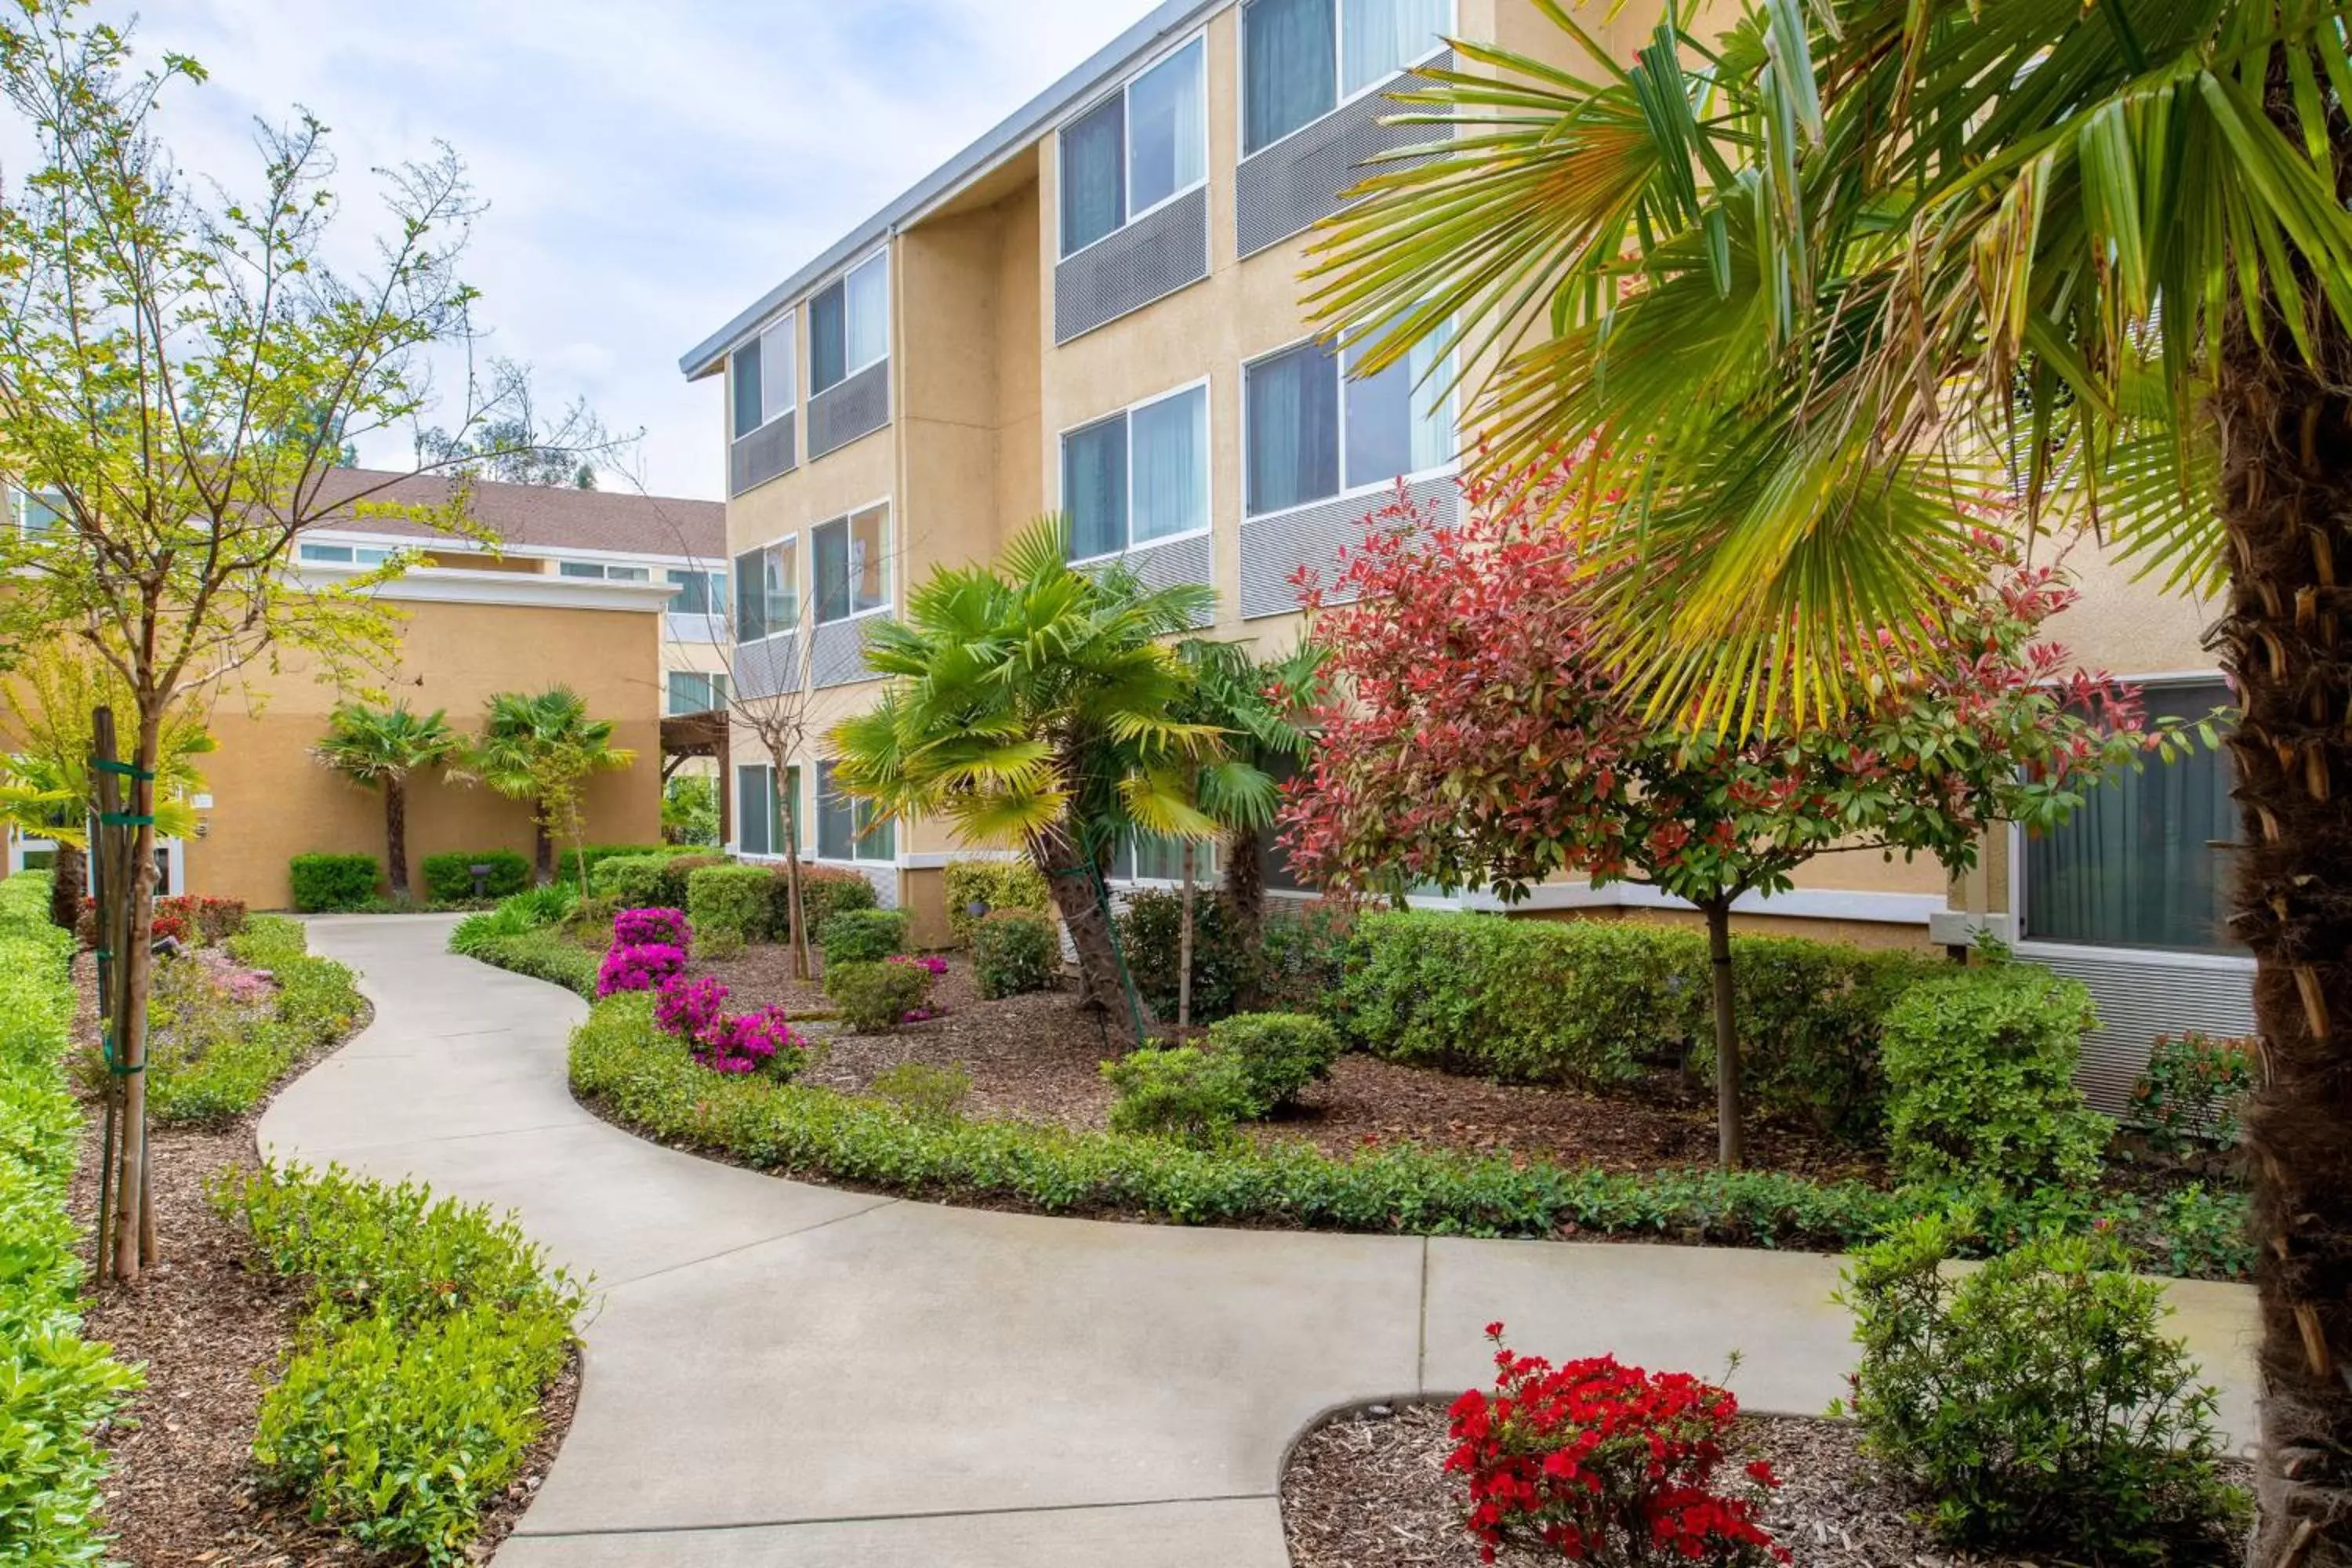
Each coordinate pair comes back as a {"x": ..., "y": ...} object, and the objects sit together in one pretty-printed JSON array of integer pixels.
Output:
[
  {"x": 932, "y": 965},
  {"x": 655, "y": 926},
  {"x": 641, "y": 966},
  {"x": 734, "y": 1043},
  {"x": 690, "y": 1009}
]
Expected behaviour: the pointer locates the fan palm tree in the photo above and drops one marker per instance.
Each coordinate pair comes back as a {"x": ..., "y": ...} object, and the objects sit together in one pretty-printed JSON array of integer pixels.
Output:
[
  {"x": 542, "y": 747},
  {"x": 1807, "y": 292},
  {"x": 380, "y": 748},
  {"x": 1034, "y": 705}
]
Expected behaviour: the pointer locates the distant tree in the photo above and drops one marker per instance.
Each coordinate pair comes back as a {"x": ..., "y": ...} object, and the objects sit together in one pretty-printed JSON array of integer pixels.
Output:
[
  {"x": 380, "y": 748},
  {"x": 542, "y": 747},
  {"x": 690, "y": 810},
  {"x": 511, "y": 449}
]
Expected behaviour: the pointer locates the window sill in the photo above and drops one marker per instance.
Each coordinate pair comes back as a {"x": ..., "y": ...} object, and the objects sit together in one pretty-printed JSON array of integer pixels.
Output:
[
  {"x": 1361, "y": 493},
  {"x": 1135, "y": 217},
  {"x": 1142, "y": 547},
  {"x": 855, "y": 615}
]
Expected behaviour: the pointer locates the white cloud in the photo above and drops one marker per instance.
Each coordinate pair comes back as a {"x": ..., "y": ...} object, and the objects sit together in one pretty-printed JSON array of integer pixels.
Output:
[{"x": 650, "y": 169}]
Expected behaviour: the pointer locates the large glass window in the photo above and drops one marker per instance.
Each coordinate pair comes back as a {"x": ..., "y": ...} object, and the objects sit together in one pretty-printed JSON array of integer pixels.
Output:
[
  {"x": 767, "y": 591},
  {"x": 2138, "y": 865},
  {"x": 850, "y": 324},
  {"x": 1144, "y": 144},
  {"x": 699, "y": 593},
  {"x": 1313, "y": 435},
  {"x": 691, "y": 691},
  {"x": 1149, "y": 857},
  {"x": 599, "y": 571},
  {"x": 39, "y": 513},
  {"x": 344, "y": 555},
  {"x": 848, "y": 830},
  {"x": 1301, "y": 58},
  {"x": 761, "y": 377},
  {"x": 764, "y": 815},
  {"x": 852, "y": 559},
  {"x": 1140, "y": 475}
]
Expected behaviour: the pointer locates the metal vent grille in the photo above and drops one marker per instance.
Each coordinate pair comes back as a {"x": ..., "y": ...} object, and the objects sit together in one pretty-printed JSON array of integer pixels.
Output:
[
  {"x": 1179, "y": 562},
  {"x": 761, "y": 456},
  {"x": 1273, "y": 548},
  {"x": 1149, "y": 259},
  {"x": 841, "y": 413},
  {"x": 1296, "y": 183},
  {"x": 2140, "y": 998},
  {"x": 767, "y": 667},
  {"x": 837, "y": 656}
]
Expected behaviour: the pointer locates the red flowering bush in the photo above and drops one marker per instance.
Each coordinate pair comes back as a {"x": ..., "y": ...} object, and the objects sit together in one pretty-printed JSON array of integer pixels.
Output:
[
  {"x": 211, "y": 920},
  {"x": 1606, "y": 1464}
]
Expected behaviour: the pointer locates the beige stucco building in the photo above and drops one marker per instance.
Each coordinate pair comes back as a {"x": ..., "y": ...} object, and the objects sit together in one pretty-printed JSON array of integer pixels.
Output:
[{"x": 1096, "y": 309}]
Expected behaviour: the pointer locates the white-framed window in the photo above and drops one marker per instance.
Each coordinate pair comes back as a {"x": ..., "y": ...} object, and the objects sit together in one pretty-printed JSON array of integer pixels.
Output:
[
  {"x": 1303, "y": 58},
  {"x": 699, "y": 593},
  {"x": 766, "y": 818},
  {"x": 1140, "y": 477},
  {"x": 851, "y": 558},
  {"x": 1149, "y": 857},
  {"x": 345, "y": 555},
  {"x": 599, "y": 571},
  {"x": 849, "y": 829},
  {"x": 767, "y": 590},
  {"x": 849, "y": 323},
  {"x": 34, "y": 512},
  {"x": 759, "y": 377},
  {"x": 1143, "y": 146},
  {"x": 692, "y": 691},
  {"x": 1310, "y": 434}
]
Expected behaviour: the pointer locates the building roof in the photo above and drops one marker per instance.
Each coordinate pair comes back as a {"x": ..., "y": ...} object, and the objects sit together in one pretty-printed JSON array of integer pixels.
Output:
[
  {"x": 1010, "y": 135},
  {"x": 547, "y": 517}
]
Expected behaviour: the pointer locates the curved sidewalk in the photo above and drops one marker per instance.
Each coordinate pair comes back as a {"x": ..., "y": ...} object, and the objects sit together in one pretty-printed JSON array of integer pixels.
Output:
[{"x": 791, "y": 1375}]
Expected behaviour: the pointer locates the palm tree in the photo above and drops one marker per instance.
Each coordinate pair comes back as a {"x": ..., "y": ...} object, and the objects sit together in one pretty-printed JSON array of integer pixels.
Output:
[
  {"x": 1806, "y": 291},
  {"x": 1036, "y": 705},
  {"x": 541, "y": 747},
  {"x": 379, "y": 748}
]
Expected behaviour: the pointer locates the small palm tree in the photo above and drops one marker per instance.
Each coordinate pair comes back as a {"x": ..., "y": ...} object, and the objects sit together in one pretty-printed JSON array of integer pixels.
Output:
[
  {"x": 1036, "y": 705},
  {"x": 542, "y": 747},
  {"x": 381, "y": 748}
]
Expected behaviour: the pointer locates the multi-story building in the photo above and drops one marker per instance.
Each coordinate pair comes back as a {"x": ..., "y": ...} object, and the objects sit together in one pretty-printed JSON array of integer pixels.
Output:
[{"x": 1096, "y": 309}]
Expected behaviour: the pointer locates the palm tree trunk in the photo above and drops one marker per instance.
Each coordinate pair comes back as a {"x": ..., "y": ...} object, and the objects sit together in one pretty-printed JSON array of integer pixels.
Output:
[
  {"x": 69, "y": 885},
  {"x": 542, "y": 849},
  {"x": 395, "y": 837},
  {"x": 1245, "y": 906},
  {"x": 1731, "y": 1133},
  {"x": 2286, "y": 501},
  {"x": 1101, "y": 984}
]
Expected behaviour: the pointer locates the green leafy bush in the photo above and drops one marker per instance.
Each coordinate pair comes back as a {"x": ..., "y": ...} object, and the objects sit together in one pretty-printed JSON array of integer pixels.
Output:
[
  {"x": 326, "y": 883},
  {"x": 2037, "y": 1400},
  {"x": 2190, "y": 1095},
  {"x": 998, "y": 884},
  {"x": 1015, "y": 952},
  {"x": 543, "y": 955},
  {"x": 861, "y": 936},
  {"x": 926, "y": 1093},
  {"x": 449, "y": 879},
  {"x": 1150, "y": 935},
  {"x": 730, "y": 897},
  {"x": 1302, "y": 956},
  {"x": 434, "y": 1332},
  {"x": 210, "y": 1058},
  {"x": 1980, "y": 1071},
  {"x": 579, "y": 865},
  {"x": 874, "y": 996},
  {"x": 825, "y": 892},
  {"x": 534, "y": 910},
  {"x": 1188, "y": 1094},
  {"x": 55, "y": 1387},
  {"x": 633, "y": 881},
  {"x": 1278, "y": 1054}
]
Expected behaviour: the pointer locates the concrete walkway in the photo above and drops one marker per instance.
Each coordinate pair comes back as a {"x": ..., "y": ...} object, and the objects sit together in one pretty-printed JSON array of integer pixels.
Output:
[{"x": 787, "y": 1374}]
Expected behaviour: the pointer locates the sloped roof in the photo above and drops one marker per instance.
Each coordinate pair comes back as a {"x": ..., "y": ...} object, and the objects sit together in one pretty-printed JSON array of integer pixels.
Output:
[{"x": 543, "y": 516}]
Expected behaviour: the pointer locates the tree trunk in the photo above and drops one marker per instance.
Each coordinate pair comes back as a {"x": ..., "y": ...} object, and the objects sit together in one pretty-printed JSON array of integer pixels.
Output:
[
  {"x": 543, "y": 850},
  {"x": 395, "y": 837},
  {"x": 1245, "y": 908},
  {"x": 2286, "y": 502},
  {"x": 69, "y": 885},
  {"x": 1184, "y": 949},
  {"x": 132, "y": 868},
  {"x": 795, "y": 914},
  {"x": 1732, "y": 1136},
  {"x": 1071, "y": 878}
]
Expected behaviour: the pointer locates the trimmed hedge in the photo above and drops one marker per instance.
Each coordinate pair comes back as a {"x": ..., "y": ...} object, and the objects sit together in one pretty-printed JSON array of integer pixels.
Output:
[
  {"x": 825, "y": 892},
  {"x": 449, "y": 879},
  {"x": 324, "y": 884},
  {"x": 999, "y": 884},
  {"x": 1982, "y": 1067},
  {"x": 55, "y": 1387},
  {"x": 218, "y": 1062},
  {"x": 575, "y": 865},
  {"x": 861, "y": 936},
  {"x": 728, "y": 899}
]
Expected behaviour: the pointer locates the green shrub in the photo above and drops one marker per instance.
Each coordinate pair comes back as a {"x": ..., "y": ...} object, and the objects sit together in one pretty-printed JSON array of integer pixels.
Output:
[
  {"x": 1015, "y": 951},
  {"x": 326, "y": 883},
  {"x": 449, "y": 879},
  {"x": 929, "y": 1094},
  {"x": 730, "y": 897},
  {"x": 1980, "y": 1075},
  {"x": 633, "y": 881},
  {"x": 861, "y": 936},
  {"x": 56, "y": 1387},
  {"x": 1150, "y": 936},
  {"x": 718, "y": 946},
  {"x": 998, "y": 884},
  {"x": 2191, "y": 1094},
  {"x": 210, "y": 1058},
  {"x": 534, "y": 910},
  {"x": 543, "y": 953},
  {"x": 825, "y": 892},
  {"x": 1278, "y": 1054},
  {"x": 1302, "y": 956},
  {"x": 874, "y": 996},
  {"x": 670, "y": 890},
  {"x": 578, "y": 865},
  {"x": 2036, "y": 1400},
  {"x": 1188, "y": 1094}
]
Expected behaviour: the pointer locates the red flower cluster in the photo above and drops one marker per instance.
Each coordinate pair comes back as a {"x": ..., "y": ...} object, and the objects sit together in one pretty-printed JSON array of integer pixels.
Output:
[
  {"x": 210, "y": 919},
  {"x": 1606, "y": 1464}
]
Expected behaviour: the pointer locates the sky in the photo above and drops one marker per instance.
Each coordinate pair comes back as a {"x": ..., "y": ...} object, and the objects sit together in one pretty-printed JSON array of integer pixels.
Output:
[{"x": 650, "y": 169}]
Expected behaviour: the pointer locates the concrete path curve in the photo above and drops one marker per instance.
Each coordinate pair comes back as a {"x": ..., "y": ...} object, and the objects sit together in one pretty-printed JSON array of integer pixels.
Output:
[{"x": 783, "y": 1375}]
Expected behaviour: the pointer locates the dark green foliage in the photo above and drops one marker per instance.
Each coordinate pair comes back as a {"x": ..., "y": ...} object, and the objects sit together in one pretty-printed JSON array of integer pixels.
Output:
[
  {"x": 1015, "y": 952},
  {"x": 2037, "y": 1401},
  {"x": 569, "y": 869},
  {"x": 325, "y": 883},
  {"x": 924, "y": 1092},
  {"x": 449, "y": 879},
  {"x": 1981, "y": 1077},
  {"x": 876, "y": 996},
  {"x": 1276, "y": 1054},
  {"x": 1150, "y": 931},
  {"x": 861, "y": 936},
  {"x": 632, "y": 881},
  {"x": 1191, "y": 1095},
  {"x": 825, "y": 892},
  {"x": 1302, "y": 955},
  {"x": 210, "y": 1060},
  {"x": 670, "y": 890},
  {"x": 999, "y": 884},
  {"x": 543, "y": 955},
  {"x": 2191, "y": 1094},
  {"x": 729, "y": 898}
]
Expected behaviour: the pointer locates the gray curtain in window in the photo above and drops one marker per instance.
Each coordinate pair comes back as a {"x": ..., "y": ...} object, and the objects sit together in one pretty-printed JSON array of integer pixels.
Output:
[
  {"x": 755, "y": 809},
  {"x": 1289, "y": 53},
  {"x": 743, "y": 366},
  {"x": 1094, "y": 488},
  {"x": 2135, "y": 866},
  {"x": 750, "y": 598},
  {"x": 1293, "y": 429},
  {"x": 830, "y": 557},
  {"x": 828, "y": 339},
  {"x": 1094, "y": 176},
  {"x": 835, "y": 823}
]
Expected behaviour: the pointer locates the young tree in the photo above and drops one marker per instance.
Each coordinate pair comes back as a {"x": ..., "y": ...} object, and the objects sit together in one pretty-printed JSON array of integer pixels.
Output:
[
  {"x": 380, "y": 748},
  {"x": 1485, "y": 738},
  {"x": 179, "y": 369},
  {"x": 542, "y": 747},
  {"x": 1034, "y": 704}
]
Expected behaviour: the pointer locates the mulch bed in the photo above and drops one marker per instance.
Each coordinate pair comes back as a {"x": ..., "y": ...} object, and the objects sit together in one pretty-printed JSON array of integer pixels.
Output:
[
  {"x": 211, "y": 1331},
  {"x": 1369, "y": 1490}
]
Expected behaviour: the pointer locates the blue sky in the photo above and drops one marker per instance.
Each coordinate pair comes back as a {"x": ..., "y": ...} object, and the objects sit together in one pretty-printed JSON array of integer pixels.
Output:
[{"x": 651, "y": 169}]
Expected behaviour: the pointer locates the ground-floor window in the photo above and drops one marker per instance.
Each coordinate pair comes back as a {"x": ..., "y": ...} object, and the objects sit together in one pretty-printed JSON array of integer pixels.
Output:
[
  {"x": 847, "y": 829},
  {"x": 765, "y": 815}
]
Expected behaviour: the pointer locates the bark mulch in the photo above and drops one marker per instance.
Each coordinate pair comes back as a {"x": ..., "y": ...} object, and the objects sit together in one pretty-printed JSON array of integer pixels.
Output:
[{"x": 1369, "y": 1490}]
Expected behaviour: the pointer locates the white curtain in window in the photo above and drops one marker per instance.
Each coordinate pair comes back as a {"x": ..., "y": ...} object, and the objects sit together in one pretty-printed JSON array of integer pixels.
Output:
[
  {"x": 1168, "y": 142},
  {"x": 868, "y": 311},
  {"x": 1432, "y": 375},
  {"x": 777, "y": 351},
  {"x": 1171, "y": 466},
  {"x": 1378, "y": 36}
]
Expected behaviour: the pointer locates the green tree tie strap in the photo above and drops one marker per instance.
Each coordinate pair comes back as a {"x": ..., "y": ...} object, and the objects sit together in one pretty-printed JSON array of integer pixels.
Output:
[
  {"x": 126, "y": 818},
  {"x": 115, "y": 1064}
]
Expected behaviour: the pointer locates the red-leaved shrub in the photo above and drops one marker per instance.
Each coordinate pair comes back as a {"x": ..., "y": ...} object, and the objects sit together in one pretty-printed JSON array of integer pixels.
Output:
[{"x": 1606, "y": 1464}]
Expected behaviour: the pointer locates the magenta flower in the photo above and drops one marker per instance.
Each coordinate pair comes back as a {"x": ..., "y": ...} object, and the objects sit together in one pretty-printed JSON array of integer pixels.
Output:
[
  {"x": 638, "y": 968},
  {"x": 690, "y": 1009},
  {"x": 643, "y": 928},
  {"x": 748, "y": 1042}
]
